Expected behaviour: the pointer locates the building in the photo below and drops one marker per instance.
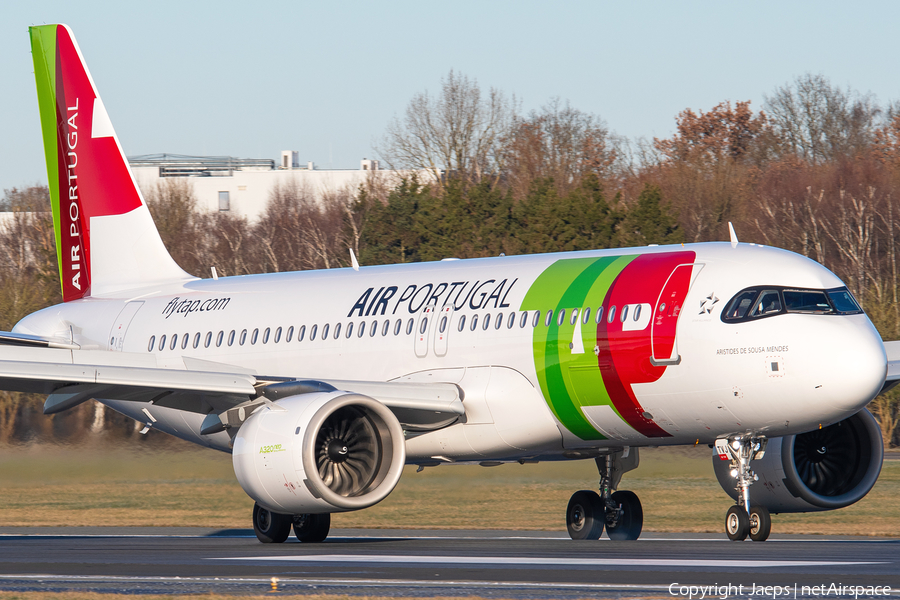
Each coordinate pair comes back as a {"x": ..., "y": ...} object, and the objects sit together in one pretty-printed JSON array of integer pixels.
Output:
[{"x": 242, "y": 185}]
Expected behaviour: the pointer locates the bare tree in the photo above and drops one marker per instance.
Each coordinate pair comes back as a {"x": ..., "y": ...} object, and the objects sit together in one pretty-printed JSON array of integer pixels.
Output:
[
  {"x": 818, "y": 121},
  {"x": 458, "y": 132},
  {"x": 558, "y": 142}
]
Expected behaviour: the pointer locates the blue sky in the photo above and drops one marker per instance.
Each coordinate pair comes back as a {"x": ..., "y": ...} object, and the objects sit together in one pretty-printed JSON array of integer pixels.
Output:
[{"x": 323, "y": 78}]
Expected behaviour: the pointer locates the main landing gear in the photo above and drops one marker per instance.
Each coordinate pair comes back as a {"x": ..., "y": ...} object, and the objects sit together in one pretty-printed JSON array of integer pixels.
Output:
[
  {"x": 274, "y": 528},
  {"x": 619, "y": 512},
  {"x": 741, "y": 521}
]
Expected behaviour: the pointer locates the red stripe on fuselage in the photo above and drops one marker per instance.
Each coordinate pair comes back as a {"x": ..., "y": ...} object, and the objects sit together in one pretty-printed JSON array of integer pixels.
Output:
[{"x": 624, "y": 356}]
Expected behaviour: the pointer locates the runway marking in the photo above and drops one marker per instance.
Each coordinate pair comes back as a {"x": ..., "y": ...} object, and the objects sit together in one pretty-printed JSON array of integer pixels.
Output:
[
  {"x": 530, "y": 560},
  {"x": 331, "y": 582}
]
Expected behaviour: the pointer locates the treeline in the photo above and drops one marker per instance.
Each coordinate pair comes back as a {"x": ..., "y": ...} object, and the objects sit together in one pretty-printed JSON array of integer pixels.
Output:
[{"x": 815, "y": 170}]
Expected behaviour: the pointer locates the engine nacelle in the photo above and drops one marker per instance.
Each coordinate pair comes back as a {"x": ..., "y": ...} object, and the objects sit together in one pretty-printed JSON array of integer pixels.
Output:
[
  {"x": 824, "y": 469},
  {"x": 319, "y": 452}
]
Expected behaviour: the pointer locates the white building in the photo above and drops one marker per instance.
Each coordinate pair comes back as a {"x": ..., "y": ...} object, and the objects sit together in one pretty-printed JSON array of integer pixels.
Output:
[{"x": 242, "y": 186}]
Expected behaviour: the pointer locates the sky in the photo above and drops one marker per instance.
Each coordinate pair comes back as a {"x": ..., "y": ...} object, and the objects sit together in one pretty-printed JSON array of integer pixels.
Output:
[{"x": 325, "y": 78}]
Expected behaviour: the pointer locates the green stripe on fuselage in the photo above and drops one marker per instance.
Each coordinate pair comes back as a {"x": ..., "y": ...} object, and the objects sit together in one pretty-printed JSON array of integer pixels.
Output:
[{"x": 570, "y": 381}]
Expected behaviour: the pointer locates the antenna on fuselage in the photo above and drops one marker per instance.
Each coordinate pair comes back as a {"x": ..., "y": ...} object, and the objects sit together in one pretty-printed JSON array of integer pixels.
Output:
[
  {"x": 734, "y": 240},
  {"x": 354, "y": 263}
]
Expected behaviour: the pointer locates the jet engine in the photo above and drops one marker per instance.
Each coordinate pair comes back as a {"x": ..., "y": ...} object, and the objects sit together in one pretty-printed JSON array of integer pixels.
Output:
[
  {"x": 319, "y": 453},
  {"x": 824, "y": 469}
]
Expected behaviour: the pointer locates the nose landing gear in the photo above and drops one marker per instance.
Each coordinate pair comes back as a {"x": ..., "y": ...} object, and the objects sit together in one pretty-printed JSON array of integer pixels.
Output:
[
  {"x": 744, "y": 520},
  {"x": 620, "y": 512}
]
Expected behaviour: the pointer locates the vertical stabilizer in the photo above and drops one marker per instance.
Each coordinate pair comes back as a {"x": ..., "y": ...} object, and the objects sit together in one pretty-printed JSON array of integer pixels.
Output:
[{"x": 106, "y": 241}]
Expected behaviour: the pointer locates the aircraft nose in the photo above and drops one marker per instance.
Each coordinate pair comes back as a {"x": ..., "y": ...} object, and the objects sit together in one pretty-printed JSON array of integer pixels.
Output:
[{"x": 854, "y": 363}]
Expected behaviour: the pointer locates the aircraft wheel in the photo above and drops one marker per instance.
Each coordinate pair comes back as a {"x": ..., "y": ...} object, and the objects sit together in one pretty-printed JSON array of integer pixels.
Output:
[
  {"x": 737, "y": 524},
  {"x": 312, "y": 528},
  {"x": 760, "y": 523},
  {"x": 585, "y": 516},
  {"x": 270, "y": 527},
  {"x": 631, "y": 522}
]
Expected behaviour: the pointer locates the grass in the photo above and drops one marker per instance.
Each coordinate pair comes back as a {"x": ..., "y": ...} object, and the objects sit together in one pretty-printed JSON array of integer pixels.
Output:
[{"x": 41, "y": 486}]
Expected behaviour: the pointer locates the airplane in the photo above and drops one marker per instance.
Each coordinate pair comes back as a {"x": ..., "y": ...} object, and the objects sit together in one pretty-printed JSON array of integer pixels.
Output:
[{"x": 324, "y": 384}]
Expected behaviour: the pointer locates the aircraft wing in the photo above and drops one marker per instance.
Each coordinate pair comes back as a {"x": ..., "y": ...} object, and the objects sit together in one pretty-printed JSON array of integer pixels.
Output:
[
  {"x": 892, "y": 349},
  {"x": 70, "y": 377}
]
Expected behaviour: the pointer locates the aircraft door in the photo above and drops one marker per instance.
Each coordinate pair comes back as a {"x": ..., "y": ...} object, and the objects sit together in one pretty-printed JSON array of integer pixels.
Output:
[
  {"x": 423, "y": 330},
  {"x": 669, "y": 305},
  {"x": 442, "y": 330},
  {"x": 120, "y": 327}
]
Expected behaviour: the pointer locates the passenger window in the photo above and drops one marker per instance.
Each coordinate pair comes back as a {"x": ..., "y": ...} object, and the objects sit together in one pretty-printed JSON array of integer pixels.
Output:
[
  {"x": 386, "y": 327},
  {"x": 462, "y": 322},
  {"x": 254, "y": 336},
  {"x": 374, "y": 329},
  {"x": 362, "y": 329},
  {"x": 624, "y": 314},
  {"x": 637, "y": 313},
  {"x": 409, "y": 326},
  {"x": 523, "y": 321},
  {"x": 151, "y": 344},
  {"x": 325, "y": 331},
  {"x": 231, "y": 338},
  {"x": 174, "y": 342},
  {"x": 184, "y": 341},
  {"x": 474, "y": 323},
  {"x": 397, "y": 325},
  {"x": 443, "y": 324},
  {"x": 768, "y": 303},
  {"x": 337, "y": 330},
  {"x": 313, "y": 331},
  {"x": 612, "y": 314},
  {"x": 512, "y": 320},
  {"x": 586, "y": 316},
  {"x": 536, "y": 319},
  {"x": 486, "y": 323},
  {"x": 349, "y": 329},
  {"x": 196, "y": 340},
  {"x": 549, "y": 318},
  {"x": 266, "y": 336},
  {"x": 599, "y": 316},
  {"x": 162, "y": 343},
  {"x": 561, "y": 317},
  {"x": 423, "y": 326},
  {"x": 301, "y": 332},
  {"x": 208, "y": 340},
  {"x": 220, "y": 338},
  {"x": 277, "y": 335},
  {"x": 290, "y": 335},
  {"x": 243, "y": 337},
  {"x": 574, "y": 318}
]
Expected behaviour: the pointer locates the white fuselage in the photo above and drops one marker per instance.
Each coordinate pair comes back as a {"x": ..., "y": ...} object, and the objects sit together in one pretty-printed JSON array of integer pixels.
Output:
[{"x": 781, "y": 375}]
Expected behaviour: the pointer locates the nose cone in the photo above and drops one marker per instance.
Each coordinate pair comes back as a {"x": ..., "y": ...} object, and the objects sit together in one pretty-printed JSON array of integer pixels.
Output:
[{"x": 853, "y": 363}]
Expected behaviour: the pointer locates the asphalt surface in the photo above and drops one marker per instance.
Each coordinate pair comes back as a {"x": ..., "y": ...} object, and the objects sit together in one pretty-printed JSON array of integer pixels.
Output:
[{"x": 503, "y": 564}]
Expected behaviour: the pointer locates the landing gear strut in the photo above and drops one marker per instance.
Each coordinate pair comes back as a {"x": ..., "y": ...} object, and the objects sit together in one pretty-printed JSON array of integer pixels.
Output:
[
  {"x": 619, "y": 512},
  {"x": 743, "y": 519}
]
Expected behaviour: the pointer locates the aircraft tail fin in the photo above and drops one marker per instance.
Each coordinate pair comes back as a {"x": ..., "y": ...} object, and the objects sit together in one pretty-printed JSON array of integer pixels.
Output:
[{"x": 106, "y": 241}]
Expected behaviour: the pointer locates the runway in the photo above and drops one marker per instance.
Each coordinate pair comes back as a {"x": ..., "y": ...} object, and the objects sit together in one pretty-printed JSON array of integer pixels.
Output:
[{"x": 504, "y": 564}]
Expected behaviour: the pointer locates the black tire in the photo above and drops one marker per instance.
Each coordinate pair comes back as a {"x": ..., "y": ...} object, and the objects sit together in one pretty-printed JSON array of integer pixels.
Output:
[
  {"x": 270, "y": 527},
  {"x": 760, "y": 524},
  {"x": 585, "y": 516},
  {"x": 631, "y": 522},
  {"x": 737, "y": 524},
  {"x": 311, "y": 529}
]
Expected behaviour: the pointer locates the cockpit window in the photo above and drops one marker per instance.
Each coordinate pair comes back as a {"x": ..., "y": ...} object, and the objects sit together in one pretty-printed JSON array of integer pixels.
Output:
[
  {"x": 768, "y": 303},
  {"x": 806, "y": 301},
  {"x": 759, "y": 302},
  {"x": 843, "y": 301}
]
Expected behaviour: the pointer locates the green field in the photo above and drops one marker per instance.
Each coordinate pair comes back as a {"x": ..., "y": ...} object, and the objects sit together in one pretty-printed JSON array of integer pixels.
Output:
[{"x": 182, "y": 486}]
